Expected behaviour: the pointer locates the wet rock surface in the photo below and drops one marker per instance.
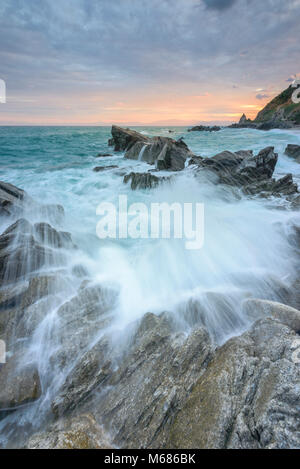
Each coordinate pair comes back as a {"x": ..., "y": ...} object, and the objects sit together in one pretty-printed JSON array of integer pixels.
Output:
[
  {"x": 143, "y": 180},
  {"x": 19, "y": 384},
  {"x": 248, "y": 397},
  {"x": 80, "y": 432},
  {"x": 100, "y": 169},
  {"x": 164, "y": 152},
  {"x": 122, "y": 139},
  {"x": 138, "y": 393},
  {"x": 293, "y": 151}
]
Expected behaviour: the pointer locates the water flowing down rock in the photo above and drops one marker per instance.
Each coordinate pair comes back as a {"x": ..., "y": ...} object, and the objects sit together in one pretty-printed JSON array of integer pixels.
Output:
[
  {"x": 143, "y": 180},
  {"x": 164, "y": 152}
]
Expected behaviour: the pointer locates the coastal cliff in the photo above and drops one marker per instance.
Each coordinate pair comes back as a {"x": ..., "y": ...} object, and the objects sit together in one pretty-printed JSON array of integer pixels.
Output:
[{"x": 280, "y": 113}]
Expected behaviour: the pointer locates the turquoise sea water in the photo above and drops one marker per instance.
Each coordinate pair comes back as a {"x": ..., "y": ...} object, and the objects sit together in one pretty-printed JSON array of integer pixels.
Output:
[{"x": 54, "y": 165}]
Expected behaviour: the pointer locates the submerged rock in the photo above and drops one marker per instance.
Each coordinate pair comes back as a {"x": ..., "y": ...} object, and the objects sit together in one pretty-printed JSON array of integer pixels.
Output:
[
  {"x": 80, "y": 432},
  {"x": 99, "y": 169},
  {"x": 205, "y": 128},
  {"x": 143, "y": 180}
]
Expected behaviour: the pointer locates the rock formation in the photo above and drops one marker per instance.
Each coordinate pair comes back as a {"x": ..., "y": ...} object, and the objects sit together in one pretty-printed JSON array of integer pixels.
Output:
[
  {"x": 205, "y": 128},
  {"x": 280, "y": 113},
  {"x": 293, "y": 151},
  {"x": 164, "y": 152}
]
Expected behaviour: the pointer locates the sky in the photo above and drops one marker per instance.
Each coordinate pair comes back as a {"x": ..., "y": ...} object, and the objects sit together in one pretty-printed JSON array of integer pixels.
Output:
[{"x": 144, "y": 62}]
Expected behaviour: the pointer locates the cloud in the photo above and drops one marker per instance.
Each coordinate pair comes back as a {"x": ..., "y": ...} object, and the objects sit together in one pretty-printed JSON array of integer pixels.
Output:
[
  {"x": 262, "y": 96},
  {"x": 291, "y": 79},
  {"x": 219, "y": 4},
  {"x": 136, "y": 48}
]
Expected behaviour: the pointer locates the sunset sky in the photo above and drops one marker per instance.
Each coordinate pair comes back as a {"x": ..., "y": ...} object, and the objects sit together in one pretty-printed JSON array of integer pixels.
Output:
[{"x": 135, "y": 62}]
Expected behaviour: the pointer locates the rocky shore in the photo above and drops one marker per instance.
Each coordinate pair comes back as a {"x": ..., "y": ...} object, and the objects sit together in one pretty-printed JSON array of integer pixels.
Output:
[{"x": 161, "y": 387}]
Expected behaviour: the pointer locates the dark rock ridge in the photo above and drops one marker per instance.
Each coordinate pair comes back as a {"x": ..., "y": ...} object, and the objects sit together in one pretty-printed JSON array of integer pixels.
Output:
[
  {"x": 205, "y": 128},
  {"x": 100, "y": 169},
  {"x": 15, "y": 202},
  {"x": 293, "y": 151},
  {"x": 251, "y": 173},
  {"x": 280, "y": 113},
  {"x": 164, "y": 152},
  {"x": 143, "y": 180},
  {"x": 123, "y": 139}
]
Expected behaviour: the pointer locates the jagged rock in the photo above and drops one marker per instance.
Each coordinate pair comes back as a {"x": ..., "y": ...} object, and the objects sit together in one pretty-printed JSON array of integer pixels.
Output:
[
  {"x": 23, "y": 307},
  {"x": 242, "y": 168},
  {"x": 248, "y": 397},
  {"x": 243, "y": 119},
  {"x": 224, "y": 159},
  {"x": 26, "y": 258},
  {"x": 143, "y": 180},
  {"x": 11, "y": 199},
  {"x": 205, "y": 128},
  {"x": 81, "y": 432},
  {"x": 19, "y": 383},
  {"x": 103, "y": 155},
  {"x": 140, "y": 396},
  {"x": 99, "y": 169},
  {"x": 123, "y": 139},
  {"x": 48, "y": 235},
  {"x": 293, "y": 151},
  {"x": 195, "y": 160},
  {"x": 25, "y": 249},
  {"x": 283, "y": 186},
  {"x": 260, "y": 166},
  {"x": 165, "y": 152}
]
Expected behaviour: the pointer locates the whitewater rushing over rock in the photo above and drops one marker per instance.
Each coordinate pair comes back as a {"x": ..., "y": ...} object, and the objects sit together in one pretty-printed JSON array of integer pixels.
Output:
[
  {"x": 140, "y": 157},
  {"x": 120, "y": 331}
]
